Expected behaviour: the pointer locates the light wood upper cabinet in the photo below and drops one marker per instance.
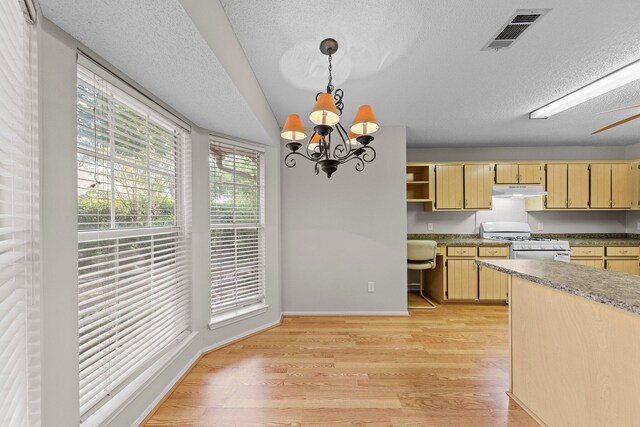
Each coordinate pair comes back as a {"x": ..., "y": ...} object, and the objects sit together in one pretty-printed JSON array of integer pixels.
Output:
[
  {"x": 621, "y": 185},
  {"x": 567, "y": 186},
  {"x": 518, "y": 173},
  {"x": 578, "y": 185},
  {"x": 507, "y": 173},
  {"x": 449, "y": 186},
  {"x": 530, "y": 173},
  {"x": 600, "y": 185},
  {"x": 478, "y": 185},
  {"x": 462, "y": 279},
  {"x": 557, "y": 186}
]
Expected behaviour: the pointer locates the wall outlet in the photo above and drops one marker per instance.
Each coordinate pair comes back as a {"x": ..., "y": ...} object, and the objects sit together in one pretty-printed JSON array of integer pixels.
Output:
[
  {"x": 430, "y": 226},
  {"x": 540, "y": 226},
  {"x": 371, "y": 287},
  {"x": 638, "y": 225}
]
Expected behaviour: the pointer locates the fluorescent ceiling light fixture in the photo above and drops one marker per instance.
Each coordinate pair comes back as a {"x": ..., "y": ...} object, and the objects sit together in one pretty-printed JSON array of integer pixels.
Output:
[{"x": 601, "y": 86}]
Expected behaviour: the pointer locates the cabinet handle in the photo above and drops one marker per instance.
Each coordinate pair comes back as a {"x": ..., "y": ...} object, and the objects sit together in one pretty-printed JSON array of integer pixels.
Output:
[
  {"x": 613, "y": 203},
  {"x": 569, "y": 202},
  {"x": 466, "y": 202}
]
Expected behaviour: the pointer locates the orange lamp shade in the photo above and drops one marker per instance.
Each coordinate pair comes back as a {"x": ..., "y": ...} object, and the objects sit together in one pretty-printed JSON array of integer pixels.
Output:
[
  {"x": 325, "y": 111},
  {"x": 293, "y": 129},
  {"x": 365, "y": 122},
  {"x": 315, "y": 141}
]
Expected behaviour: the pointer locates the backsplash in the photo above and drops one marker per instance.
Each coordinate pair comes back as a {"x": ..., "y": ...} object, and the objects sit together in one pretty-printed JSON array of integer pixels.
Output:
[{"x": 571, "y": 222}]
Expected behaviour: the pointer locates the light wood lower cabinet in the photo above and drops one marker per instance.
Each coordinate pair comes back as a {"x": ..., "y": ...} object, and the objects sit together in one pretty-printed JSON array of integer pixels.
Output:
[
  {"x": 629, "y": 266},
  {"x": 595, "y": 263},
  {"x": 462, "y": 279},
  {"x": 622, "y": 259},
  {"x": 492, "y": 284}
]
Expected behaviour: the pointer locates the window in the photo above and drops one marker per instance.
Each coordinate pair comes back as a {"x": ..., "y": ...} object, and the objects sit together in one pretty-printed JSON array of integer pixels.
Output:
[
  {"x": 237, "y": 230},
  {"x": 19, "y": 297},
  {"x": 133, "y": 245}
]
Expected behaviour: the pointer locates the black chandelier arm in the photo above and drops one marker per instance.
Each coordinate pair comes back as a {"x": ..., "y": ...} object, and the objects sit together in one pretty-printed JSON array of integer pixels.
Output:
[
  {"x": 359, "y": 163},
  {"x": 290, "y": 161},
  {"x": 337, "y": 97},
  {"x": 368, "y": 153},
  {"x": 342, "y": 151}
]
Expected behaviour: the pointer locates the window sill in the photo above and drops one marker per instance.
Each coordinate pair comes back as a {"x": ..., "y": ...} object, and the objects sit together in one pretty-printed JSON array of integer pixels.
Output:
[
  {"x": 237, "y": 315},
  {"x": 107, "y": 412}
]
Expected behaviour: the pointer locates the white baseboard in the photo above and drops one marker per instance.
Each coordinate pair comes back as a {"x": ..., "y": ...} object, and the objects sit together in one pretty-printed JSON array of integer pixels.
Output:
[
  {"x": 166, "y": 390},
  {"x": 242, "y": 335},
  {"x": 345, "y": 313}
]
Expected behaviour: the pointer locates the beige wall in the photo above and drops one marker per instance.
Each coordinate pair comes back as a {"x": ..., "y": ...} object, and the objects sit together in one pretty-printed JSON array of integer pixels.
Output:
[{"x": 340, "y": 233}]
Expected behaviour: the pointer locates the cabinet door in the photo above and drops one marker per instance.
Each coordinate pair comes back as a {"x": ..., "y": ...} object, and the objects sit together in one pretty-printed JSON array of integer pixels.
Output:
[
  {"x": 557, "y": 186},
  {"x": 578, "y": 185},
  {"x": 629, "y": 266},
  {"x": 621, "y": 185},
  {"x": 530, "y": 174},
  {"x": 462, "y": 279},
  {"x": 493, "y": 284},
  {"x": 478, "y": 184},
  {"x": 507, "y": 173},
  {"x": 448, "y": 186},
  {"x": 600, "y": 185},
  {"x": 595, "y": 263}
]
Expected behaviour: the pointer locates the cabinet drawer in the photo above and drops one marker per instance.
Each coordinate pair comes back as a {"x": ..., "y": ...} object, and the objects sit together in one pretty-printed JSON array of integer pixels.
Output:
[
  {"x": 461, "y": 251},
  {"x": 587, "y": 251},
  {"x": 492, "y": 251},
  {"x": 623, "y": 250}
]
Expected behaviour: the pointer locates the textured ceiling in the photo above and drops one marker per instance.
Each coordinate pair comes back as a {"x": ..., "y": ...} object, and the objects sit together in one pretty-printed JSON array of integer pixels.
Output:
[
  {"x": 419, "y": 64},
  {"x": 156, "y": 44}
]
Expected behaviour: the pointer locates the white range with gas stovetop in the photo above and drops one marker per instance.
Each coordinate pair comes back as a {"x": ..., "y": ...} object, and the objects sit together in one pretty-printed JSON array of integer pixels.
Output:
[{"x": 523, "y": 246}]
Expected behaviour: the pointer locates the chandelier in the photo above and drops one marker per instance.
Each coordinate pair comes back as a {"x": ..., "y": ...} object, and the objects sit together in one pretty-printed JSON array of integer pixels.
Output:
[{"x": 328, "y": 154}]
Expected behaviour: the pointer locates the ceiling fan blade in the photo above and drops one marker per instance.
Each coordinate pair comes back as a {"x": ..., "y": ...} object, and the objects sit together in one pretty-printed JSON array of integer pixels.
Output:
[
  {"x": 618, "y": 123},
  {"x": 620, "y": 109}
]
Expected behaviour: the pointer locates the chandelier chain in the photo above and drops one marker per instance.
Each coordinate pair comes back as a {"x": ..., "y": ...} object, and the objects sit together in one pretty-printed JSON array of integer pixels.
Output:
[{"x": 330, "y": 85}]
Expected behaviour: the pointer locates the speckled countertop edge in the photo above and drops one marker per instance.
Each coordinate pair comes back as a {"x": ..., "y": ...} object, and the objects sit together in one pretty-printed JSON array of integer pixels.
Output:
[
  {"x": 593, "y": 239},
  {"x": 617, "y": 290}
]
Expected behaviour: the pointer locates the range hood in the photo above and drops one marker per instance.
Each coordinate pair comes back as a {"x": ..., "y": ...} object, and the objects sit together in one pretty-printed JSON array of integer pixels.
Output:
[{"x": 508, "y": 191}]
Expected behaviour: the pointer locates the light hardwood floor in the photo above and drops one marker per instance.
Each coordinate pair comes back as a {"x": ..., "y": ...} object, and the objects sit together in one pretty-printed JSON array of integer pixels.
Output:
[{"x": 443, "y": 367}]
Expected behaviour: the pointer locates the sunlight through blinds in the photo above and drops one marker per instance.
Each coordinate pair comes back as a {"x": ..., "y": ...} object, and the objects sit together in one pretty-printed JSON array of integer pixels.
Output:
[
  {"x": 19, "y": 296},
  {"x": 237, "y": 227},
  {"x": 133, "y": 235}
]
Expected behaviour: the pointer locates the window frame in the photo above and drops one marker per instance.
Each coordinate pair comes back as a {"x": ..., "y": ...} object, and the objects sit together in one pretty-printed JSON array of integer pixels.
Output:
[
  {"x": 177, "y": 243},
  {"x": 240, "y": 312}
]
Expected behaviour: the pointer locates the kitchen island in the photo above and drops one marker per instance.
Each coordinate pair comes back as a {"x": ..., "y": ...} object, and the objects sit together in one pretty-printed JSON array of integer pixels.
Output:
[{"x": 575, "y": 342}]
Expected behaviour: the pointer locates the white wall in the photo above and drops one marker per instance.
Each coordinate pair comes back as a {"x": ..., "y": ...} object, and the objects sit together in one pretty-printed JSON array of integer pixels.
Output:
[
  {"x": 57, "y": 74},
  {"x": 513, "y": 209},
  {"x": 340, "y": 233}
]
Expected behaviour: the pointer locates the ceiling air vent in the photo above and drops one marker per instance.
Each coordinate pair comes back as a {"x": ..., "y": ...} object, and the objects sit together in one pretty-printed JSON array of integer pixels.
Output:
[{"x": 519, "y": 22}]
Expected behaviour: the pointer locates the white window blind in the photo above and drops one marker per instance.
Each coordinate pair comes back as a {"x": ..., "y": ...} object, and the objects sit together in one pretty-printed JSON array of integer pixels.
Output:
[
  {"x": 133, "y": 235},
  {"x": 19, "y": 305},
  {"x": 237, "y": 227}
]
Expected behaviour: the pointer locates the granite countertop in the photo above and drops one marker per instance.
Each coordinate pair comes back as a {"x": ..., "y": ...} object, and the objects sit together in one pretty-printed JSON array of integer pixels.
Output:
[
  {"x": 457, "y": 239},
  {"x": 603, "y": 241},
  {"x": 599, "y": 239},
  {"x": 618, "y": 290}
]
